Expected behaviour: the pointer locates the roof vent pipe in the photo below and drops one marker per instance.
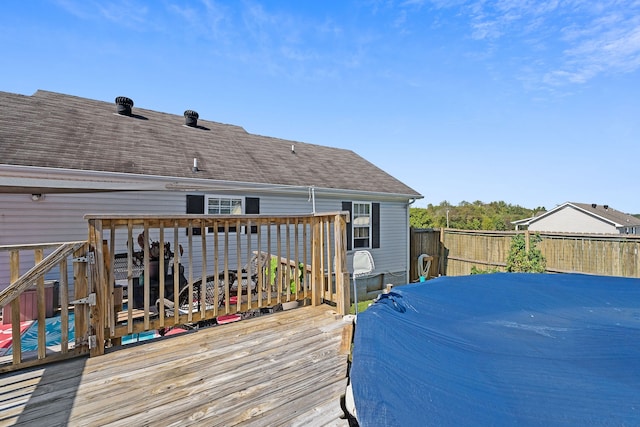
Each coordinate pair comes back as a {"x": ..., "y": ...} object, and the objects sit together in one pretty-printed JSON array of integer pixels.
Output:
[
  {"x": 124, "y": 105},
  {"x": 593, "y": 205},
  {"x": 606, "y": 207},
  {"x": 191, "y": 118}
]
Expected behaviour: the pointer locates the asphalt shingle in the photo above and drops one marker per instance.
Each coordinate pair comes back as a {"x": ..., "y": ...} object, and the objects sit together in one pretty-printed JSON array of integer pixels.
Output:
[{"x": 49, "y": 129}]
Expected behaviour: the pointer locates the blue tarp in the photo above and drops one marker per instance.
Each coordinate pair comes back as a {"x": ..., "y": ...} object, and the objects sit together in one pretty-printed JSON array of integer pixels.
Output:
[{"x": 500, "y": 349}]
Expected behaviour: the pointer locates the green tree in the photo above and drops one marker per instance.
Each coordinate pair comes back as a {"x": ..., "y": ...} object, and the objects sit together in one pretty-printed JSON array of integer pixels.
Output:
[
  {"x": 470, "y": 216},
  {"x": 420, "y": 218}
]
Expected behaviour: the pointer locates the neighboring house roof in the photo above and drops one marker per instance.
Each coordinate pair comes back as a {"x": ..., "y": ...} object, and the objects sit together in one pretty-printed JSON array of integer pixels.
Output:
[
  {"x": 52, "y": 130},
  {"x": 603, "y": 212}
]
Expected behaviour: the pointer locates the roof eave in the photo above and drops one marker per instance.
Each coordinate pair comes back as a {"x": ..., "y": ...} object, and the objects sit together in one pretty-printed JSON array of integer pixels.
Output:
[{"x": 27, "y": 179}]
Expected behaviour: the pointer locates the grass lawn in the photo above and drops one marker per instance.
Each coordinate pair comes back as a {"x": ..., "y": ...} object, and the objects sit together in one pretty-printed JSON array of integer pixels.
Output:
[{"x": 362, "y": 306}]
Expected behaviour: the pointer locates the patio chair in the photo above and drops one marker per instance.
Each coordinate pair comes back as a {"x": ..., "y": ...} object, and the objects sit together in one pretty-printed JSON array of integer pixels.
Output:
[
  {"x": 362, "y": 266},
  {"x": 247, "y": 278}
]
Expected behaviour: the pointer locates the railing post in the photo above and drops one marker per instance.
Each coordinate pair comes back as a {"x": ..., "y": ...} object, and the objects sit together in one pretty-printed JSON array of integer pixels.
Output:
[
  {"x": 342, "y": 276},
  {"x": 99, "y": 287},
  {"x": 317, "y": 276},
  {"x": 81, "y": 290}
]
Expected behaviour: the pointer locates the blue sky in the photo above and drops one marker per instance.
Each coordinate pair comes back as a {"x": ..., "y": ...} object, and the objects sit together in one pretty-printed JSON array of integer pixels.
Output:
[{"x": 531, "y": 102}]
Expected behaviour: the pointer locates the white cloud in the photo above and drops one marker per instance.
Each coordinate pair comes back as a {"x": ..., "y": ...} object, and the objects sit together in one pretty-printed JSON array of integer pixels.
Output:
[{"x": 577, "y": 40}]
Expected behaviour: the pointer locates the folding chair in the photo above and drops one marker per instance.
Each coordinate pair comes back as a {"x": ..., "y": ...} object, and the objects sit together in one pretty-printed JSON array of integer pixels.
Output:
[{"x": 362, "y": 266}]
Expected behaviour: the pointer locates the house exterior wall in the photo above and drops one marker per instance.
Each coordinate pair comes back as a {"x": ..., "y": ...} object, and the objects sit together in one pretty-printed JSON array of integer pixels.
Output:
[
  {"x": 572, "y": 220},
  {"x": 60, "y": 217}
]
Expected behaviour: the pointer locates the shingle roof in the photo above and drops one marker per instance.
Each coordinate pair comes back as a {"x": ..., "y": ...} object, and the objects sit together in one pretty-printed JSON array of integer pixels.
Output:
[
  {"x": 55, "y": 130},
  {"x": 607, "y": 213},
  {"x": 610, "y": 214}
]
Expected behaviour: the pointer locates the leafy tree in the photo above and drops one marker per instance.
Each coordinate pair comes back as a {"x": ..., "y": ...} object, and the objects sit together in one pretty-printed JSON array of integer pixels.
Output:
[
  {"x": 521, "y": 260},
  {"x": 420, "y": 218},
  {"x": 470, "y": 216}
]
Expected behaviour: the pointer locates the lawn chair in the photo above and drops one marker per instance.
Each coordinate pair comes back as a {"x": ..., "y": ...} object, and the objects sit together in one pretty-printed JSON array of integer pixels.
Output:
[
  {"x": 247, "y": 278},
  {"x": 362, "y": 266}
]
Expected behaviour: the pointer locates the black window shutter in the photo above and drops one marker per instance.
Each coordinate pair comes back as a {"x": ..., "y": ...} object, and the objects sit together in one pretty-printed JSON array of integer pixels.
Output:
[
  {"x": 252, "y": 207},
  {"x": 375, "y": 225},
  {"x": 347, "y": 206},
  {"x": 195, "y": 205}
]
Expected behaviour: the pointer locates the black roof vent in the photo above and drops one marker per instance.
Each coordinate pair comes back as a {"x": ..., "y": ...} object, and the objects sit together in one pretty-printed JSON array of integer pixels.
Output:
[
  {"x": 606, "y": 207},
  {"x": 191, "y": 118},
  {"x": 124, "y": 105},
  {"x": 593, "y": 205}
]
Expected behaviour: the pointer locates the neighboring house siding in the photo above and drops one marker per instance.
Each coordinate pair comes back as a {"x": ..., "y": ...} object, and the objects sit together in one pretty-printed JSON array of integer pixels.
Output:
[{"x": 571, "y": 220}]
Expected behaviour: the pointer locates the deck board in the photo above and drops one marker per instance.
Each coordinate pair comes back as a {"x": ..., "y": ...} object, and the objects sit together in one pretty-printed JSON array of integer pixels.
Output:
[{"x": 285, "y": 368}]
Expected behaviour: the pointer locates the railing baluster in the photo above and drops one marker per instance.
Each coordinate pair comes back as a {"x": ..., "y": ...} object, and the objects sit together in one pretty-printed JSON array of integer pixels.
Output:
[
  {"x": 64, "y": 306},
  {"x": 14, "y": 272},
  {"x": 250, "y": 271},
  {"x": 161, "y": 270},
  {"x": 130, "y": 287},
  {"x": 38, "y": 256},
  {"x": 286, "y": 268},
  {"x": 203, "y": 275},
  {"x": 177, "y": 259},
  {"x": 226, "y": 268},
  {"x": 239, "y": 268},
  {"x": 190, "y": 278},
  {"x": 216, "y": 270},
  {"x": 279, "y": 275},
  {"x": 269, "y": 264},
  {"x": 147, "y": 275},
  {"x": 111, "y": 280}
]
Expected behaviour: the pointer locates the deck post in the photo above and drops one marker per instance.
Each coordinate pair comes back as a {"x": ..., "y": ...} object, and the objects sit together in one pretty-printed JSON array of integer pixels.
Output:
[
  {"x": 99, "y": 287},
  {"x": 317, "y": 276},
  {"x": 81, "y": 290},
  {"x": 342, "y": 285}
]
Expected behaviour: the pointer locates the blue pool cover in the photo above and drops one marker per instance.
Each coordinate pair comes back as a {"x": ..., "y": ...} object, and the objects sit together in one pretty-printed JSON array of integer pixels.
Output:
[{"x": 504, "y": 349}]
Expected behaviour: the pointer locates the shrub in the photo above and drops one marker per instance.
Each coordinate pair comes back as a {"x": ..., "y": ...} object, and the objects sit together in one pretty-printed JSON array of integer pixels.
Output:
[{"x": 519, "y": 260}]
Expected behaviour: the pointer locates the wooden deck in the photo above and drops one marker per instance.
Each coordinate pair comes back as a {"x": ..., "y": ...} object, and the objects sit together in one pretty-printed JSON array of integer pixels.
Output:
[{"x": 282, "y": 369}]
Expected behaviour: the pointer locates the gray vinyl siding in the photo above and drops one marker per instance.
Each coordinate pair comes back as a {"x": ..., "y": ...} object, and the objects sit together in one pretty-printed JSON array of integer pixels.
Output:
[{"x": 60, "y": 217}]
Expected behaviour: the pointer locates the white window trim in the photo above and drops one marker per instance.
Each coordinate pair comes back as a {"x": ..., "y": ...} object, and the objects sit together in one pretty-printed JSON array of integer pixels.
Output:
[
  {"x": 353, "y": 225},
  {"x": 207, "y": 197}
]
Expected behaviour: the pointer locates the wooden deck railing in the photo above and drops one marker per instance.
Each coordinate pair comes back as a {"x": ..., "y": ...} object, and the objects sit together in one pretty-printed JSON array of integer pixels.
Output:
[
  {"x": 28, "y": 286},
  {"x": 188, "y": 269}
]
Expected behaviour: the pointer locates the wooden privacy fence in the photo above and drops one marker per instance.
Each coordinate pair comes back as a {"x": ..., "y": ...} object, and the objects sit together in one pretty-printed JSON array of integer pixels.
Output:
[
  {"x": 457, "y": 251},
  {"x": 177, "y": 270},
  {"x": 29, "y": 297}
]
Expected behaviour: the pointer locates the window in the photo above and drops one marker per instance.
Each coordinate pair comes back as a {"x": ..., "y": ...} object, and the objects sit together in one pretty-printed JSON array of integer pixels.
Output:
[
  {"x": 229, "y": 205},
  {"x": 222, "y": 205},
  {"x": 363, "y": 230},
  {"x": 361, "y": 225}
]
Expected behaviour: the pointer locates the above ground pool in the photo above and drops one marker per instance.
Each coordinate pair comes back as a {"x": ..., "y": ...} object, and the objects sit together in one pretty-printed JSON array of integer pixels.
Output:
[{"x": 500, "y": 349}]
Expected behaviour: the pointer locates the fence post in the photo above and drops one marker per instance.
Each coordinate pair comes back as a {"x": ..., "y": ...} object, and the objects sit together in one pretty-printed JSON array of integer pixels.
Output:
[{"x": 441, "y": 251}]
